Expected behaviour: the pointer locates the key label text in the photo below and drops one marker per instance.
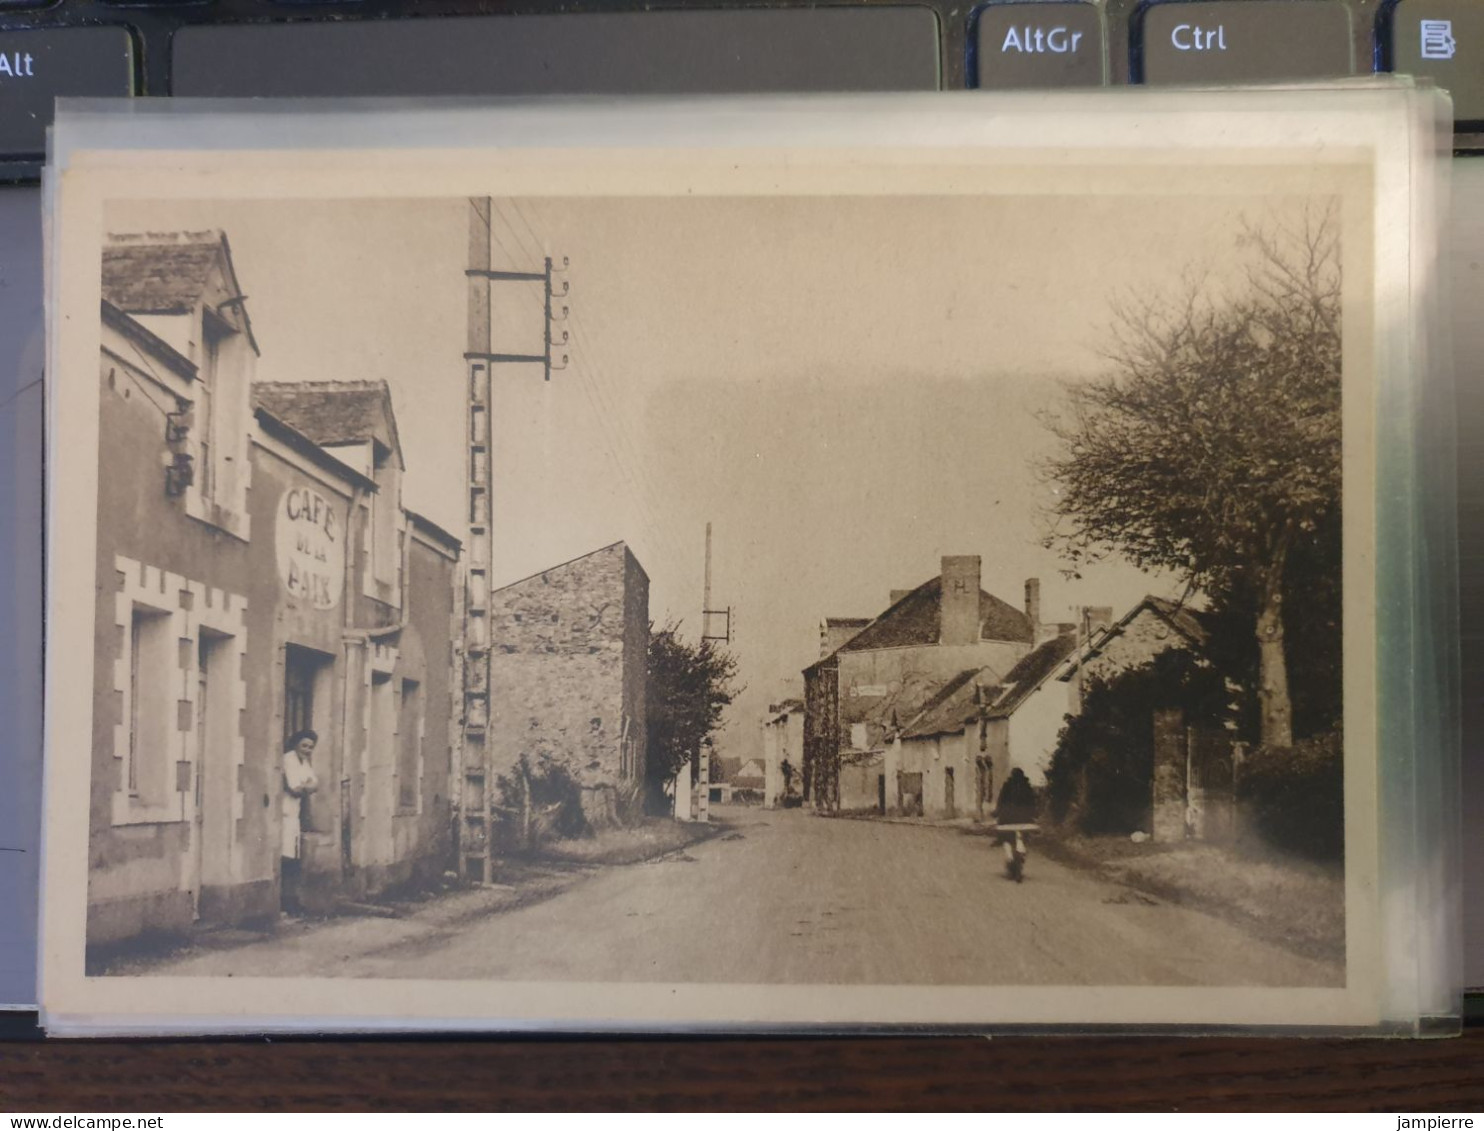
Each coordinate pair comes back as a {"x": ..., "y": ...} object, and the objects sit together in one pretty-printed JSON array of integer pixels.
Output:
[
  {"x": 1190, "y": 37},
  {"x": 16, "y": 65},
  {"x": 1041, "y": 41}
]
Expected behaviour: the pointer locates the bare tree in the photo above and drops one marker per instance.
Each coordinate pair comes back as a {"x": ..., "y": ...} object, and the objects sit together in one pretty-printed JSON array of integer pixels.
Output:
[{"x": 1212, "y": 447}]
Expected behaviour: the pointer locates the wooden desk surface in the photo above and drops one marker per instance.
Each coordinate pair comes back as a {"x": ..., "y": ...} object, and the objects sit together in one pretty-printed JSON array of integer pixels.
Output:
[{"x": 1056, "y": 1073}]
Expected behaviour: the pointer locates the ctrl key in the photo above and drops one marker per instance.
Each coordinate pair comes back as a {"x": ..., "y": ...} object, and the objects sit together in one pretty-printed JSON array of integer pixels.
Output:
[{"x": 39, "y": 66}]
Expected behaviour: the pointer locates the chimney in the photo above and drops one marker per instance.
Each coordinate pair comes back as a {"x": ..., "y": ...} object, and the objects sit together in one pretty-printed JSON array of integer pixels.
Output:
[
  {"x": 958, "y": 609},
  {"x": 1095, "y": 619},
  {"x": 1033, "y": 604},
  {"x": 898, "y": 594}
]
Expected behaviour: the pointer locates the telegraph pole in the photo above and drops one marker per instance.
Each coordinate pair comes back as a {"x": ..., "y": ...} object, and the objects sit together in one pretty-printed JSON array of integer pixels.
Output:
[
  {"x": 707, "y": 612},
  {"x": 476, "y": 800}
]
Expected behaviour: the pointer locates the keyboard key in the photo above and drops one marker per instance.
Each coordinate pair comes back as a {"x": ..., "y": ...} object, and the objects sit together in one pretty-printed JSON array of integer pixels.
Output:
[
  {"x": 1244, "y": 41},
  {"x": 674, "y": 51},
  {"x": 1444, "y": 40},
  {"x": 1038, "y": 45},
  {"x": 39, "y": 66}
]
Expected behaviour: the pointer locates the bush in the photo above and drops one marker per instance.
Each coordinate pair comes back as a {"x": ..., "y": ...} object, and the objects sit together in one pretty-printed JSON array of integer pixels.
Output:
[
  {"x": 1294, "y": 796},
  {"x": 554, "y": 810},
  {"x": 1100, "y": 779}
]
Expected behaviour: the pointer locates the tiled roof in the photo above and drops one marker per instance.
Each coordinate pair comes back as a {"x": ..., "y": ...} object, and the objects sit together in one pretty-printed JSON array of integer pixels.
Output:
[
  {"x": 1187, "y": 621},
  {"x": 947, "y": 710},
  {"x": 915, "y": 620},
  {"x": 159, "y": 273},
  {"x": 1029, "y": 673},
  {"x": 333, "y": 412}
]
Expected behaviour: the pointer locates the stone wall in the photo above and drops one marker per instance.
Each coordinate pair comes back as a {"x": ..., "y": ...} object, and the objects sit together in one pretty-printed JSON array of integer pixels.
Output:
[
  {"x": 566, "y": 672},
  {"x": 1136, "y": 644}
]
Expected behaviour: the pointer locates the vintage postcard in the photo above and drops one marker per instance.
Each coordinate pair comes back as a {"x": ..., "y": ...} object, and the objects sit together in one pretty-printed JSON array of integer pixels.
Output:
[{"x": 613, "y": 587}]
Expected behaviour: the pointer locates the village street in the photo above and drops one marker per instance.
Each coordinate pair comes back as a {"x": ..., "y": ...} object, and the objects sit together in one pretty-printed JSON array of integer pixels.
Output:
[{"x": 785, "y": 897}]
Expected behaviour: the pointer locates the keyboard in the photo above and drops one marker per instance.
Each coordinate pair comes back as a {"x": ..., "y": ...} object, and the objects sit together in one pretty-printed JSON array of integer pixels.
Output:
[{"x": 252, "y": 48}]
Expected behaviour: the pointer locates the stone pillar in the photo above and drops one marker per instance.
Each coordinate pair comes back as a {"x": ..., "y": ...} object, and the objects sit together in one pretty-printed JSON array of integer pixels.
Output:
[
  {"x": 684, "y": 793},
  {"x": 890, "y": 768},
  {"x": 1169, "y": 775}
]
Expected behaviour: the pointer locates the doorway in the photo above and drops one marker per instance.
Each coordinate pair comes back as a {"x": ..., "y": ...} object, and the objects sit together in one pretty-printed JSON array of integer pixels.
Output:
[{"x": 212, "y": 760}]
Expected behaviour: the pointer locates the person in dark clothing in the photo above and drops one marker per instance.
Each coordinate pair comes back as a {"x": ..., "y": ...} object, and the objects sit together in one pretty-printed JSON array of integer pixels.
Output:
[
  {"x": 1015, "y": 809},
  {"x": 1017, "y": 803}
]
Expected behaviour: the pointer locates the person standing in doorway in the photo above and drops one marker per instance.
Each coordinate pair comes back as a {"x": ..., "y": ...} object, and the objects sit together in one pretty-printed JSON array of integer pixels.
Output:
[{"x": 299, "y": 781}]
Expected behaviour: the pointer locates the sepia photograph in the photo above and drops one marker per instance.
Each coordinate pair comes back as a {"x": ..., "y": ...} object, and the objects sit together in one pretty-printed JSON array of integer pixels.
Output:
[
  {"x": 839, "y": 601},
  {"x": 732, "y": 590}
]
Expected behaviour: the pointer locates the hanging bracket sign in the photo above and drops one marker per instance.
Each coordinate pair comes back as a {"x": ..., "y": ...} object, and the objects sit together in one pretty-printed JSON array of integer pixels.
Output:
[{"x": 310, "y": 539}]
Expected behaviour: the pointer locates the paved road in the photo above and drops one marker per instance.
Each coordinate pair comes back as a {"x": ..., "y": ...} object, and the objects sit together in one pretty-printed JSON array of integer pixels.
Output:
[{"x": 790, "y": 898}]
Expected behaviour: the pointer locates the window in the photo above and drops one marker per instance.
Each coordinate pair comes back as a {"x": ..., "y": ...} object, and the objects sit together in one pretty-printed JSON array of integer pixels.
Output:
[
  {"x": 298, "y": 691},
  {"x": 218, "y": 491},
  {"x": 150, "y": 708},
  {"x": 213, "y": 374},
  {"x": 409, "y": 747},
  {"x": 860, "y": 738}
]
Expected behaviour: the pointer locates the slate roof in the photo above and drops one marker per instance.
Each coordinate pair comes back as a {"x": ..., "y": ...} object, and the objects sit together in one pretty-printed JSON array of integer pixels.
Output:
[
  {"x": 947, "y": 710},
  {"x": 1028, "y": 674},
  {"x": 166, "y": 272},
  {"x": 916, "y": 619},
  {"x": 159, "y": 273},
  {"x": 333, "y": 412},
  {"x": 1186, "y": 621}
]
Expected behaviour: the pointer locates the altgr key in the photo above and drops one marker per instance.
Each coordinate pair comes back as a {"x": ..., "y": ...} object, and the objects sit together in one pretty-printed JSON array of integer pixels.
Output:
[
  {"x": 1238, "y": 41},
  {"x": 1018, "y": 46}
]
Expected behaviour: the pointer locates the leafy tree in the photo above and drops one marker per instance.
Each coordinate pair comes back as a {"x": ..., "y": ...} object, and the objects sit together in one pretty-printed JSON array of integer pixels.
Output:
[
  {"x": 1212, "y": 449},
  {"x": 689, "y": 686}
]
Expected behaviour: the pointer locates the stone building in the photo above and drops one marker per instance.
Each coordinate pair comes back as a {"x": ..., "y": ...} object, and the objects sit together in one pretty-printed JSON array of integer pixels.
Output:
[
  {"x": 884, "y": 674},
  {"x": 251, "y": 582},
  {"x": 783, "y": 742},
  {"x": 1153, "y": 626},
  {"x": 568, "y": 655}
]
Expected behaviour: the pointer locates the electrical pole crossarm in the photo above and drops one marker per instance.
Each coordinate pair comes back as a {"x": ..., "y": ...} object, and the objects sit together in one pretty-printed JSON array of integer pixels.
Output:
[
  {"x": 537, "y": 358},
  {"x": 508, "y": 276}
]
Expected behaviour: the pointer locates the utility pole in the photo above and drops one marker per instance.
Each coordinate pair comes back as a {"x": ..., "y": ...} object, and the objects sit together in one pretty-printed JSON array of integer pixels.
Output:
[
  {"x": 476, "y": 799},
  {"x": 708, "y": 631}
]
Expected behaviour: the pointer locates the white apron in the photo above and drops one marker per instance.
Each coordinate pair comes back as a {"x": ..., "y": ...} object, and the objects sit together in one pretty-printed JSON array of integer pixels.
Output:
[{"x": 298, "y": 779}]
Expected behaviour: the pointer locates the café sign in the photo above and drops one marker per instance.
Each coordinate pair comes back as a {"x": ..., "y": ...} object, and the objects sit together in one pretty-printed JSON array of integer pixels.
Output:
[{"x": 310, "y": 540}]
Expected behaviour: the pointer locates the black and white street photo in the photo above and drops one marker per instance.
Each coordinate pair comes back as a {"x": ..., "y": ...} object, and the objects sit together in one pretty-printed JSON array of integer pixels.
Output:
[{"x": 721, "y": 590}]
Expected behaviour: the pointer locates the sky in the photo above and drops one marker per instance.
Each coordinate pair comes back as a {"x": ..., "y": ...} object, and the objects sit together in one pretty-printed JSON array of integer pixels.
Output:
[{"x": 846, "y": 388}]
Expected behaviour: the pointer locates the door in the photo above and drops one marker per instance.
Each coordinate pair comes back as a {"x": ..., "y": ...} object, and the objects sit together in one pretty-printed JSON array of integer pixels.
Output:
[
  {"x": 948, "y": 792},
  {"x": 212, "y": 765},
  {"x": 199, "y": 759}
]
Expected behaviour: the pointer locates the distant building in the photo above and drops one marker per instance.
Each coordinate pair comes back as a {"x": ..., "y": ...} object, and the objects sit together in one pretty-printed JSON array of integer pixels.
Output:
[
  {"x": 885, "y": 673},
  {"x": 257, "y": 576},
  {"x": 568, "y": 654},
  {"x": 783, "y": 743},
  {"x": 951, "y": 760}
]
